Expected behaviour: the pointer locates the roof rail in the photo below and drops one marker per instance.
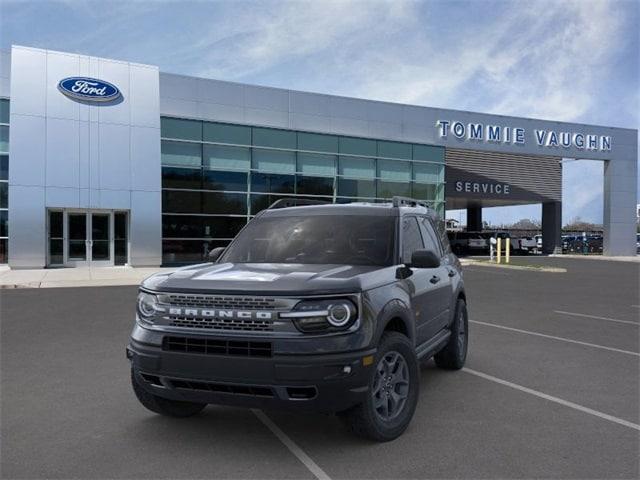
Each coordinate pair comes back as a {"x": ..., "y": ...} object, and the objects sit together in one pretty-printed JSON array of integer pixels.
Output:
[
  {"x": 295, "y": 202},
  {"x": 408, "y": 202}
]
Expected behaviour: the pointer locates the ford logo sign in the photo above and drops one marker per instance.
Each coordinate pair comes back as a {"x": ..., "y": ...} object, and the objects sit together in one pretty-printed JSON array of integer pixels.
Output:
[{"x": 89, "y": 89}]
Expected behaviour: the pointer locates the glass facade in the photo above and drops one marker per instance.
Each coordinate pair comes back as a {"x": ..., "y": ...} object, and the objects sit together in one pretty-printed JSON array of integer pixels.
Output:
[
  {"x": 216, "y": 176},
  {"x": 4, "y": 180}
]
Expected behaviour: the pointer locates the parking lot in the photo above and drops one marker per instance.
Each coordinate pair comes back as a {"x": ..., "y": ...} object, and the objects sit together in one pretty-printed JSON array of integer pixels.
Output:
[{"x": 551, "y": 389}]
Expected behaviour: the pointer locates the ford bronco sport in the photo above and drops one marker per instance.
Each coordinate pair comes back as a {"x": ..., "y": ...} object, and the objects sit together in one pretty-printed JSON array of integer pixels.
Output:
[{"x": 325, "y": 307}]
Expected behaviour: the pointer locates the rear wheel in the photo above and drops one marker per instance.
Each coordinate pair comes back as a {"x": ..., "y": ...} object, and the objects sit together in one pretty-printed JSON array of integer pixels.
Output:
[
  {"x": 454, "y": 354},
  {"x": 164, "y": 406},
  {"x": 393, "y": 392}
]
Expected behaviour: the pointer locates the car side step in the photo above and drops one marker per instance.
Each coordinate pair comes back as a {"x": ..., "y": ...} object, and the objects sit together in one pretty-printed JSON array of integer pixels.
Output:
[{"x": 431, "y": 347}]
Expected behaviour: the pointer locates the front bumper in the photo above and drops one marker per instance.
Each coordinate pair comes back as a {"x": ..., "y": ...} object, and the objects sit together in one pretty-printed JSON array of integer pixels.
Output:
[{"x": 312, "y": 382}]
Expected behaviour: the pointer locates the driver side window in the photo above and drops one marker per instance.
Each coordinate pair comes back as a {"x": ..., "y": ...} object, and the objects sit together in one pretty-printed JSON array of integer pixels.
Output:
[{"x": 411, "y": 238}]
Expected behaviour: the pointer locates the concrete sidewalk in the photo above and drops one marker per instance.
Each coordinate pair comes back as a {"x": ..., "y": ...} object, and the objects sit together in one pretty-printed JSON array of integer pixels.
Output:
[{"x": 74, "y": 277}]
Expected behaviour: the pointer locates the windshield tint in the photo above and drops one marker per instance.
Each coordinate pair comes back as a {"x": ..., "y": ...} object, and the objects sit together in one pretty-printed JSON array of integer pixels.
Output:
[{"x": 338, "y": 239}]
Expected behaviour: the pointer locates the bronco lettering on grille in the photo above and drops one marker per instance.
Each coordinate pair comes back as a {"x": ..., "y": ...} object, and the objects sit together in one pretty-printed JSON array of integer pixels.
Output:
[{"x": 212, "y": 313}]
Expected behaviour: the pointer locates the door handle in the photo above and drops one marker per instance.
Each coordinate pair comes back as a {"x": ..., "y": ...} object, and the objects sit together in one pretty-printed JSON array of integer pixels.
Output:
[{"x": 435, "y": 279}]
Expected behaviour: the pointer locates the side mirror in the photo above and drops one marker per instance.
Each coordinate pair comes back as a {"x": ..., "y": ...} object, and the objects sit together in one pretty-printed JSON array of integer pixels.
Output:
[
  {"x": 424, "y": 259},
  {"x": 215, "y": 254}
]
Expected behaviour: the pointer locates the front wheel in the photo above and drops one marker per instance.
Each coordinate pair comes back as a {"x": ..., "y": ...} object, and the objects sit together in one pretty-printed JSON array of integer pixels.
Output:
[
  {"x": 454, "y": 354},
  {"x": 393, "y": 392}
]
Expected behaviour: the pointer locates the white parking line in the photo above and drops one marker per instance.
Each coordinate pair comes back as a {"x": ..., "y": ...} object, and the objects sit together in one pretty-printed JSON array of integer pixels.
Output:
[
  {"x": 609, "y": 319},
  {"x": 292, "y": 446},
  {"x": 551, "y": 398},
  {"x": 563, "y": 339}
]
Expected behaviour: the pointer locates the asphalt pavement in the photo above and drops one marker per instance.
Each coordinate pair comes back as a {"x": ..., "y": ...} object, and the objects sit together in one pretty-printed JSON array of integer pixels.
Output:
[{"x": 551, "y": 390}]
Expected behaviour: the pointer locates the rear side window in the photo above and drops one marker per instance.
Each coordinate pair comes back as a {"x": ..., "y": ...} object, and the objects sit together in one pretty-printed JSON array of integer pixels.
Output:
[
  {"x": 441, "y": 230},
  {"x": 411, "y": 238},
  {"x": 431, "y": 241}
]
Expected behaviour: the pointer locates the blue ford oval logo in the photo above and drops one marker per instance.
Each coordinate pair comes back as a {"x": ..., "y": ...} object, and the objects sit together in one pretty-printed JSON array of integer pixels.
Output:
[{"x": 90, "y": 89}]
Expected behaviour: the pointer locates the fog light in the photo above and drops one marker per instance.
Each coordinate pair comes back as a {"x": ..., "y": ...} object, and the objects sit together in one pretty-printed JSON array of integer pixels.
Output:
[{"x": 368, "y": 360}]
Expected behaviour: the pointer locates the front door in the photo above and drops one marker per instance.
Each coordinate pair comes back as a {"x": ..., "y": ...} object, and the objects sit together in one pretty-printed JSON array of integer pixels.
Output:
[{"x": 83, "y": 238}]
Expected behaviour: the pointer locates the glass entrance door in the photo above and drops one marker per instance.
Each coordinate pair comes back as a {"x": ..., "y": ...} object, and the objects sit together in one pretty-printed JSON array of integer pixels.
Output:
[
  {"x": 77, "y": 239},
  {"x": 82, "y": 238},
  {"x": 100, "y": 242}
]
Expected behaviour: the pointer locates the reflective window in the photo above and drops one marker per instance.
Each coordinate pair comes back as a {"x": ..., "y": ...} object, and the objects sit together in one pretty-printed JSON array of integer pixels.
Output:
[
  {"x": 120, "y": 238},
  {"x": 317, "y": 164},
  {"x": 358, "y": 146},
  {"x": 4, "y": 195},
  {"x": 271, "y": 137},
  {"x": 222, "y": 227},
  {"x": 192, "y": 226},
  {"x": 176, "y": 201},
  {"x": 219, "y": 202},
  {"x": 180, "y": 252},
  {"x": 4, "y": 256},
  {"x": 272, "y": 183},
  {"x": 4, "y": 167},
  {"x": 274, "y": 161},
  {"x": 411, "y": 238},
  {"x": 224, "y": 133},
  {"x": 181, "y": 153},
  {"x": 4, "y": 223},
  {"x": 356, "y": 188},
  {"x": 428, "y": 153},
  {"x": 428, "y": 172},
  {"x": 182, "y": 129},
  {"x": 393, "y": 170},
  {"x": 423, "y": 191},
  {"x": 218, "y": 180},
  {"x": 314, "y": 185},
  {"x": 4, "y": 139},
  {"x": 173, "y": 177},
  {"x": 391, "y": 189},
  {"x": 357, "y": 167},
  {"x": 317, "y": 143},
  {"x": 4, "y": 110},
  {"x": 394, "y": 150},
  {"x": 227, "y": 158}
]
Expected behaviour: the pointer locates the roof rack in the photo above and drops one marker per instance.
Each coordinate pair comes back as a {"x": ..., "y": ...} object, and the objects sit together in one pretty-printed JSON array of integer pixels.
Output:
[
  {"x": 408, "y": 202},
  {"x": 295, "y": 202}
]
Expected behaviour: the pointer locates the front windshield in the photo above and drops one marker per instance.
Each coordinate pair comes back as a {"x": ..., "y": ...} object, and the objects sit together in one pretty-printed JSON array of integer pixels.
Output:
[{"x": 332, "y": 239}]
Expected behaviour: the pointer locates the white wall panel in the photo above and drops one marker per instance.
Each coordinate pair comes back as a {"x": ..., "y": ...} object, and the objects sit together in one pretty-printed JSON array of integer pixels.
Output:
[
  {"x": 62, "y": 197},
  {"x": 115, "y": 199},
  {"x": 223, "y": 93},
  {"x": 63, "y": 153},
  {"x": 115, "y": 154},
  {"x": 27, "y": 227},
  {"x": 266, "y": 98},
  {"x": 145, "y": 155},
  {"x": 144, "y": 97},
  {"x": 118, "y": 74},
  {"x": 28, "y": 81},
  {"x": 59, "y": 66}
]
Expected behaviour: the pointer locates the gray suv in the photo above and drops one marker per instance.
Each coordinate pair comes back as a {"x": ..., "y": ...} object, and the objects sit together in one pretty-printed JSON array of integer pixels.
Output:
[{"x": 312, "y": 307}]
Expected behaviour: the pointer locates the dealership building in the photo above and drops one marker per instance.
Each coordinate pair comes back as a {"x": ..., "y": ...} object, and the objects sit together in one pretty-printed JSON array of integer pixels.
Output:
[{"x": 106, "y": 162}]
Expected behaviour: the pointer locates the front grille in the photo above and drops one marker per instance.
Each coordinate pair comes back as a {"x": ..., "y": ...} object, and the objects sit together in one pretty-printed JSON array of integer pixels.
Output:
[
  {"x": 236, "y": 324},
  {"x": 207, "y": 346},
  {"x": 222, "y": 302},
  {"x": 254, "y": 390}
]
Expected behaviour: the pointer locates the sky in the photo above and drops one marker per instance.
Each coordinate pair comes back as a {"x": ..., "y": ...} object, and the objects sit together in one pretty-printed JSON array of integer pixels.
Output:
[{"x": 574, "y": 61}]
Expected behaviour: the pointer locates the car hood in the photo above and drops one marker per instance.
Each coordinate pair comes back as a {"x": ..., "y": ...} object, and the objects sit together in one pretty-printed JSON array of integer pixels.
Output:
[{"x": 271, "y": 279}]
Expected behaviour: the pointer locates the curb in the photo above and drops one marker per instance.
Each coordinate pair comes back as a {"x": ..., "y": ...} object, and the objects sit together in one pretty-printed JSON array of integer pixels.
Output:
[{"x": 515, "y": 267}]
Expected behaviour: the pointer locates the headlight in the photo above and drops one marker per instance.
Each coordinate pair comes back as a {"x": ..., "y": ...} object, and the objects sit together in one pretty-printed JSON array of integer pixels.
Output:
[
  {"x": 315, "y": 316},
  {"x": 147, "y": 305}
]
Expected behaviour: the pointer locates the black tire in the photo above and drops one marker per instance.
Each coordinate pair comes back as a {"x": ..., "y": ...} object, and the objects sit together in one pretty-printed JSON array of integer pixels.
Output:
[
  {"x": 454, "y": 354},
  {"x": 164, "y": 406},
  {"x": 365, "y": 420}
]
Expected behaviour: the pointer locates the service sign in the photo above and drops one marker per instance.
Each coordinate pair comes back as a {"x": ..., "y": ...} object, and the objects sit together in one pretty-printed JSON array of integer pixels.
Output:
[{"x": 88, "y": 89}]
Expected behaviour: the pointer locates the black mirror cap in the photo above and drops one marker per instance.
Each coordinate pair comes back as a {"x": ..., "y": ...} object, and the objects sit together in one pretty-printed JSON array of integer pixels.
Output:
[
  {"x": 215, "y": 254},
  {"x": 424, "y": 259}
]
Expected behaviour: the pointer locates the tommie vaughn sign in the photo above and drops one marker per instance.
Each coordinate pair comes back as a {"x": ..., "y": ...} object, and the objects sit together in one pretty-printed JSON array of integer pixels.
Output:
[
  {"x": 88, "y": 89},
  {"x": 517, "y": 135}
]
